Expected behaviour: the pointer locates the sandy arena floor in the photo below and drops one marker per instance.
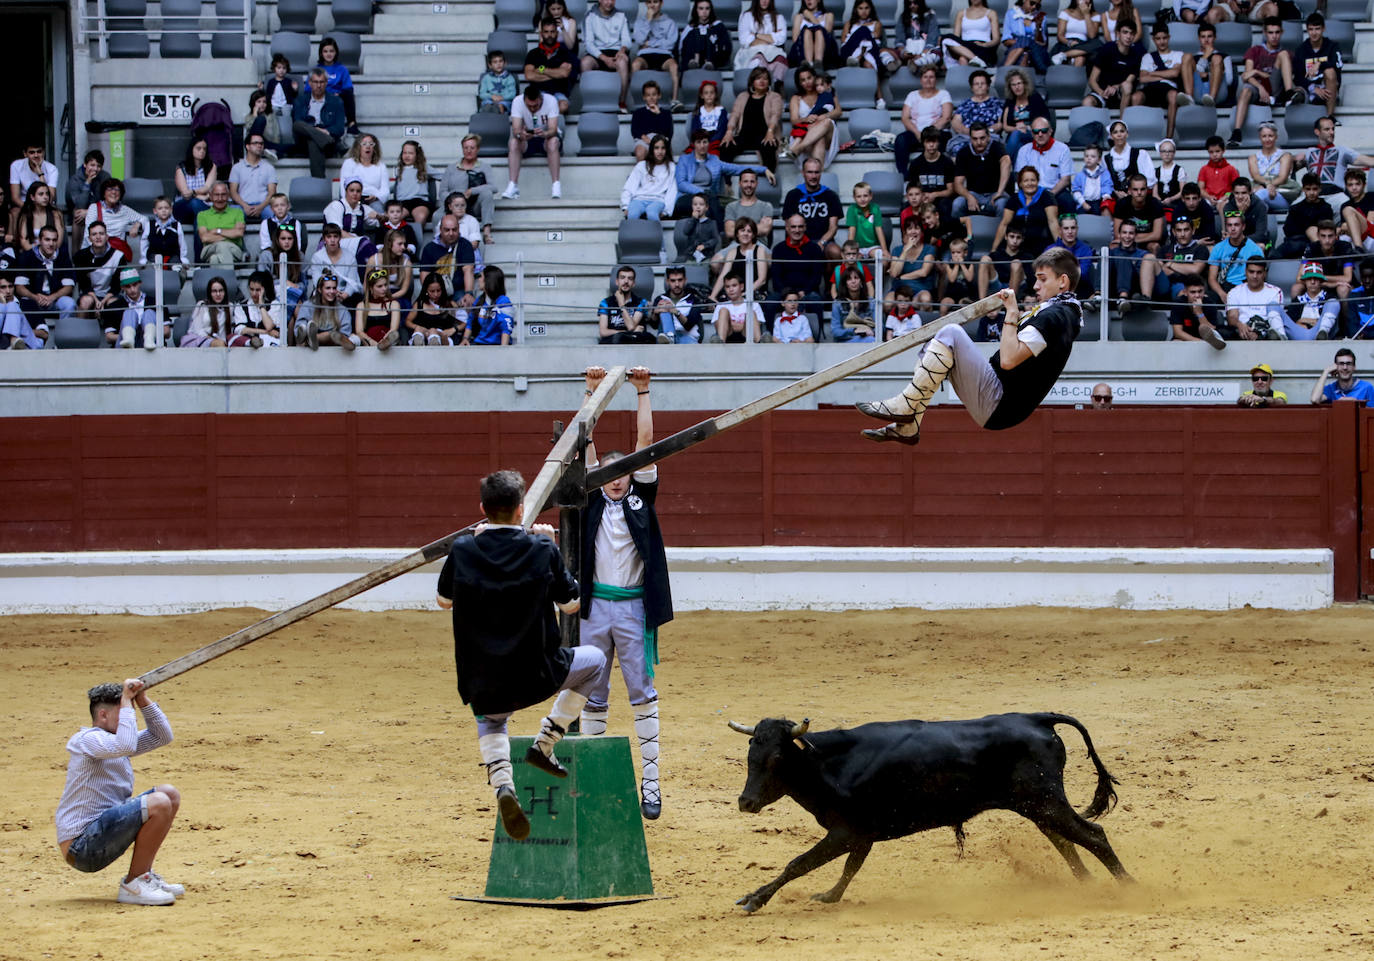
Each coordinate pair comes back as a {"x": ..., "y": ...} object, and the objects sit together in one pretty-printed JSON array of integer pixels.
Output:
[{"x": 333, "y": 801}]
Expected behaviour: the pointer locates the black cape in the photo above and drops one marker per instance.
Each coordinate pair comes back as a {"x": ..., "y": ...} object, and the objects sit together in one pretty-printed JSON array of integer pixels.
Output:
[
  {"x": 506, "y": 642},
  {"x": 642, "y": 520}
]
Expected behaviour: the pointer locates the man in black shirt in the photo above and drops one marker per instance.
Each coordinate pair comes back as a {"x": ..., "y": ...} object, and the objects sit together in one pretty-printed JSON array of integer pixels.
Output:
[
  {"x": 982, "y": 173},
  {"x": 1190, "y": 207},
  {"x": 1317, "y": 65},
  {"x": 1197, "y": 316},
  {"x": 549, "y": 66},
  {"x": 1115, "y": 71},
  {"x": 1002, "y": 391},
  {"x": 502, "y": 583},
  {"x": 1183, "y": 258},
  {"x": 934, "y": 171},
  {"x": 1300, "y": 227},
  {"x": 799, "y": 264},
  {"x": 1142, "y": 209},
  {"x": 819, "y": 205},
  {"x": 1357, "y": 211},
  {"x": 1336, "y": 258}
]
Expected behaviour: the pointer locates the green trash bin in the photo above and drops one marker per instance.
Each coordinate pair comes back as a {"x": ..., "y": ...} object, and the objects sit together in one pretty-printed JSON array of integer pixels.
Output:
[{"x": 116, "y": 139}]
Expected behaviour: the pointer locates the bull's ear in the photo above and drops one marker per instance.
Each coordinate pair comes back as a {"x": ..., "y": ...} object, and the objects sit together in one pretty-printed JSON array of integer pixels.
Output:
[{"x": 736, "y": 726}]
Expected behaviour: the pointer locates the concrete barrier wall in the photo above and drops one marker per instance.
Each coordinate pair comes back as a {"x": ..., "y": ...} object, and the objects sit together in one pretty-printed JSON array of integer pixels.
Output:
[{"x": 734, "y": 579}]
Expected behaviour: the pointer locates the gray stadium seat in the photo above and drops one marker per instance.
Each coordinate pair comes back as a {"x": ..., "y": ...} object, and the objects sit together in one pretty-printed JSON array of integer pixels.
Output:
[
  {"x": 1080, "y": 115},
  {"x": 132, "y": 40},
  {"x": 644, "y": 280},
  {"x": 1092, "y": 326},
  {"x": 639, "y": 242},
  {"x": 1283, "y": 274},
  {"x": 773, "y": 194},
  {"x": 180, "y": 29},
  {"x": 697, "y": 274},
  {"x": 1095, "y": 230},
  {"x": 1148, "y": 10},
  {"x": 1342, "y": 34},
  {"x": 77, "y": 332},
  {"x": 171, "y": 283},
  {"x": 354, "y": 16},
  {"x": 1065, "y": 85},
  {"x": 1345, "y": 10},
  {"x": 1293, "y": 34},
  {"x": 598, "y": 134},
  {"x": 867, "y": 119},
  {"x": 1143, "y": 325},
  {"x": 1298, "y": 119},
  {"x": 1182, "y": 36},
  {"x": 1233, "y": 39},
  {"x": 226, "y": 42},
  {"x": 677, "y": 10},
  {"x": 510, "y": 42},
  {"x": 634, "y": 98},
  {"x": 902, "y": 83},
  {"x": 889, "y": 189},
  {"x": 512, "y": 15},
  {"x": 728, "y": 11},
  {"x": 140, "y": 192},
  {"x": 309, "y": 196},
  {"x": 956, "y": 81},
  {"x": 351, "y": 50},
  {"x": 1249, "y": 134},
  {"x": 297, "y": 16},
  {"x": 294, "y": 47},
  {"x": 494, "y": 129},
  {"x": 1194, "y": 124},
  {"x": 203, "y": 275},
  {"x": 600, "y": 92},
  {"x": 1147, "y": 124},
  {"x": 854, "y": 87}
]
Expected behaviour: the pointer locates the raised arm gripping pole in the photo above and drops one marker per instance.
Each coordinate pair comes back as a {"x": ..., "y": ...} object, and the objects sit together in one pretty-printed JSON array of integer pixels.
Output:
[
  {"x": 563, "y": 454},
  {"x": 691, "y": 436}
]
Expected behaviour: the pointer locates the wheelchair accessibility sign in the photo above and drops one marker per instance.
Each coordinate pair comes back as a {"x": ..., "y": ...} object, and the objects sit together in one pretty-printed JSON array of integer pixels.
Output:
[{"x": 167, "y": 106}]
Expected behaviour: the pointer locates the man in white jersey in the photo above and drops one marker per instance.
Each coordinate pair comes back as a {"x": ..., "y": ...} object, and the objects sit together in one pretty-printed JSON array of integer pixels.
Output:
[{"x": 98, "y": 816}]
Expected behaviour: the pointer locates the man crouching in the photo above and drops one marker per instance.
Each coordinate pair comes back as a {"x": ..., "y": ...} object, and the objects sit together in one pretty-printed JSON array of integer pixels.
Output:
[{"x": 98, "y": 816}]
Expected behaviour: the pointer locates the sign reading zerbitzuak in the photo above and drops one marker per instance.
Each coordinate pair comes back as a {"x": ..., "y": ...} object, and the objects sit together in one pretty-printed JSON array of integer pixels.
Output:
[{"x": 167, "y": 106}]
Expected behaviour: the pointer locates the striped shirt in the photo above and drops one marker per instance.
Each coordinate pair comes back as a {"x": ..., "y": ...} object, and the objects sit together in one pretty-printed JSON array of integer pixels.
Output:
[{"x": 99, "y": 773}]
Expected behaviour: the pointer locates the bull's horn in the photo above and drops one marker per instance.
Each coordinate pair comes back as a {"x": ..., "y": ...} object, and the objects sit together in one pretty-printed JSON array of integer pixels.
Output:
[
  {"x": 799, "y": 729},
  {"x": 735, "y": 726}
]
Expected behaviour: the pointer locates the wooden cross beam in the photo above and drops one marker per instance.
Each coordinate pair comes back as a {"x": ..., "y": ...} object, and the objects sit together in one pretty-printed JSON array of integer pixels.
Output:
[{"x": 564, "y": 452}]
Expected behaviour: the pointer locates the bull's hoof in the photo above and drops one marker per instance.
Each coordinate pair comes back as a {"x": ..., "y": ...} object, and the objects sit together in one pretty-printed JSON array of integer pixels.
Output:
[
  {"x": 826, "y": 897},
  {"x": 750, "y": 903}
]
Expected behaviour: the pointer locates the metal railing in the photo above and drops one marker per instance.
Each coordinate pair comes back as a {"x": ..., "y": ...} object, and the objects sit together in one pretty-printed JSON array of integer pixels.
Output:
[{"x": 98, "y": 26}]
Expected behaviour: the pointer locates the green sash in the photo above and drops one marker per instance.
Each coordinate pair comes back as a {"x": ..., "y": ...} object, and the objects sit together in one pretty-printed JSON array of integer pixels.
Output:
[{"x": 608, "y": 592}]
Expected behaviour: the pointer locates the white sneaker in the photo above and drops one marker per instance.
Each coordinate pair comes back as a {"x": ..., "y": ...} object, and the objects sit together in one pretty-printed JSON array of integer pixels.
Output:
[
  {"x": 126, "y": 337},
  {"x": 176, "y": 890},
  {"x": 1057, "y": 59},
  {"x": 1184, "y": 100},
  {"x": 512, "y": 191},
  {"x": 144, "y": 890},
  {"x": 977, "y": 62},
  {"x": 880, "y": 104},
  {"x": 556, "y": 190},
  {"x": 149, "y": 337}
]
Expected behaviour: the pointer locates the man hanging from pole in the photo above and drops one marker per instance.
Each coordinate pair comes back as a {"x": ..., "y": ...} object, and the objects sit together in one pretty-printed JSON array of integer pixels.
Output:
[
  {"x": 502, "y": 584},
  {"x": 1004, "y": 390},
  {"x": 624, "y": 578}
]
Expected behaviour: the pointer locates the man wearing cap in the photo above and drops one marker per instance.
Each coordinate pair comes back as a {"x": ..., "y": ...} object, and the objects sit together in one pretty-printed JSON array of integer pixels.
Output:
[
  {"x": 1262, "y": 392},
  {"x": 131, "y": 321},
  {"x": 1346, "y": 386},
  {"x": 1313, "y": 313}
]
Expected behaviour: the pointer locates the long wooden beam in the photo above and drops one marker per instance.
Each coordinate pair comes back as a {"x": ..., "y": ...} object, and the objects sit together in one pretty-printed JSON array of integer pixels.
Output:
[
  {"x": 563, "y": 454},
  {"x": 691, "y": 436}
]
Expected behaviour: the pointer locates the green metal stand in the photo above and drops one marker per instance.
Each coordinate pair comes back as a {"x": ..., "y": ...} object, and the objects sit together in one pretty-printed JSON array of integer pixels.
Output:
[{"x": 586, "y": 840}]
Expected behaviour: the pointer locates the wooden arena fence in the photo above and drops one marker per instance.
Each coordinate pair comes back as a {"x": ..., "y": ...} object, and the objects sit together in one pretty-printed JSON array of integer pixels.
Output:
[{"x": 1130, "y": 477}]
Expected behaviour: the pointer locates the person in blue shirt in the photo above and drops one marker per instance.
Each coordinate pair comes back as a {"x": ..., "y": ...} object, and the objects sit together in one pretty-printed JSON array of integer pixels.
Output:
[
  {"x": 490, "y": 319},
  {"x": 318, "y": 119},
  {"x": 340, "y": 80},
  {"x": 1346, "y": 386},
  {"x": 1082, "y": 251},
  {"x": 711, "y": 169},
  {"x": 1226, "y": 263}
]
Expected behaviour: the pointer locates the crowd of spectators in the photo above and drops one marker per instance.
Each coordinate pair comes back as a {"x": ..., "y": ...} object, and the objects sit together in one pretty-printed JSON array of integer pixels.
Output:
[{"x": 988, "y": 187}]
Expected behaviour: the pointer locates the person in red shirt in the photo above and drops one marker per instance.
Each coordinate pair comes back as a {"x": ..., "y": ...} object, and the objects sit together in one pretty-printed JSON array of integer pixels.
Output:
[{"x": 1217, "y": 174}]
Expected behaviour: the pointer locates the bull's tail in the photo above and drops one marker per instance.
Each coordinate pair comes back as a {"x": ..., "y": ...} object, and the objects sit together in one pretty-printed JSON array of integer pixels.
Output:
[{"x": 1104, "y": 798}]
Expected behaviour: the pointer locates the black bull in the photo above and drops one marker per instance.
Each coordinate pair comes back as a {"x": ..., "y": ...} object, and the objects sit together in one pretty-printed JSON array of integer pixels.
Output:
[{"x": 889, "y": 779}]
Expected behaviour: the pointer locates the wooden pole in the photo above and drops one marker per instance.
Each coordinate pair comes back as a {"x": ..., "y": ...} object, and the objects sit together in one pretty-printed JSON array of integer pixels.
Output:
[
  {"x": 563, "y": 454},
  {"x": 691, "y": 436}
]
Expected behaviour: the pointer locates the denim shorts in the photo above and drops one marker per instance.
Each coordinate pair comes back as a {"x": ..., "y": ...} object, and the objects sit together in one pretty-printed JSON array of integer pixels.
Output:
[{"x": 108, "y": 836}]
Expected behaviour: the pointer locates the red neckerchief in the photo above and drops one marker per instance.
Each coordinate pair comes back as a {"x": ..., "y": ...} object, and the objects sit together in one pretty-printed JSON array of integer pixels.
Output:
[
  {"x": 799, "y": 248},
  {"x": 903, "y": 315},
  {"x": 550, "y": 51},
  {"x": 1048, "y": 144}
]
